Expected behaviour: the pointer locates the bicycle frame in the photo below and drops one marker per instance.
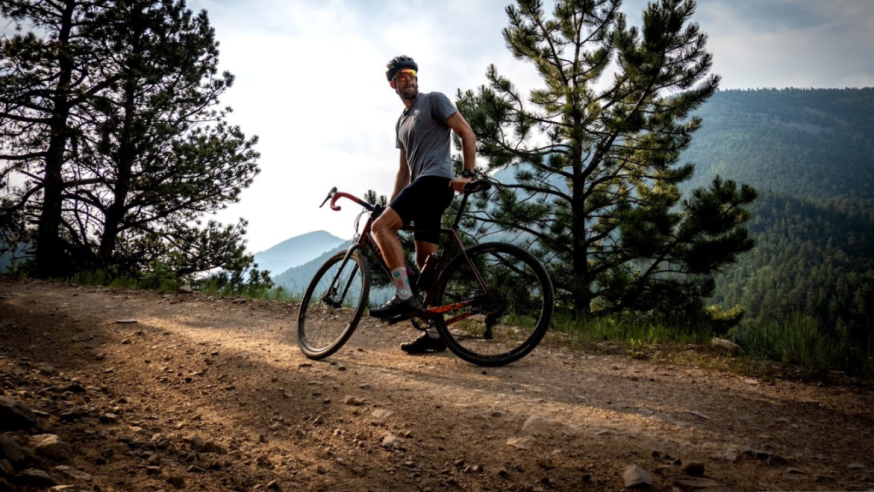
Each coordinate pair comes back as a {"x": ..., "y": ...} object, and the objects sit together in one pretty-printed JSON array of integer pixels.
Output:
[{"x": 366, "y": 240}]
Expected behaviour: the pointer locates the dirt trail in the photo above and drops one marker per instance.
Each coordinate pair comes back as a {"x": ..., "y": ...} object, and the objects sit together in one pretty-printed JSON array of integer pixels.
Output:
[{"x": 229, "y": 372}]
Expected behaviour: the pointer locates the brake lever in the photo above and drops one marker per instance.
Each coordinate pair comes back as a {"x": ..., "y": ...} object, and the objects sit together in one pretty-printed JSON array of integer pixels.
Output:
[{"x": 330, "y": 194}]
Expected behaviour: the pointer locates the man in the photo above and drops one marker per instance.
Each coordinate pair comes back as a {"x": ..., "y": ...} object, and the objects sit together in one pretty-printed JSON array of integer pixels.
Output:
[{"x": 424, "y": 186}]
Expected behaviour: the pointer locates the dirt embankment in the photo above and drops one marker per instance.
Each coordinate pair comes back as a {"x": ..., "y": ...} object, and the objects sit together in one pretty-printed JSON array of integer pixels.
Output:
[{"x": 213, "y": 394}]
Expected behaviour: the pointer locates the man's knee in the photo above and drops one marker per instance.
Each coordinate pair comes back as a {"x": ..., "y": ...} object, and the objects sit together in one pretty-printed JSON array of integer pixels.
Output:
[
  {"x": 387, "y": 225},
  {"x": 379, "y": 227}
]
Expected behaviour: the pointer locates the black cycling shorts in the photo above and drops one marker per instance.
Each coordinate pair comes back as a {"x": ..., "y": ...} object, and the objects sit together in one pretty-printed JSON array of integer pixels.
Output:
[{"x": 421, "y": 205}]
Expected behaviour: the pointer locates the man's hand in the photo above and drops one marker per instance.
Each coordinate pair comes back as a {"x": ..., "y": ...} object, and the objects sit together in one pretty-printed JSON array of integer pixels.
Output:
[{"x": 459, "y": 183}]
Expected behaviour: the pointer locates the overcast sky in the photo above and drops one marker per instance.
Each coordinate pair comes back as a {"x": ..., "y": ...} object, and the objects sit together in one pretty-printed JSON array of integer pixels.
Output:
[{"x": 310, "y": 80}]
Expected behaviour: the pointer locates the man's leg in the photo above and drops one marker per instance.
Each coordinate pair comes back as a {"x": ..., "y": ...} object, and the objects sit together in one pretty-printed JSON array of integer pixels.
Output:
[
  {"x": 386, "y": 228},
  {"x": 430, "y": 341},
  {"x": 424, "y": 249}
]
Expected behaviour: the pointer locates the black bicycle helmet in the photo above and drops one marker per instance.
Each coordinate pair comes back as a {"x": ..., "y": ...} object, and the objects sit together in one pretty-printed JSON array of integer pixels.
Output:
[{"x": 398, "y": 63}]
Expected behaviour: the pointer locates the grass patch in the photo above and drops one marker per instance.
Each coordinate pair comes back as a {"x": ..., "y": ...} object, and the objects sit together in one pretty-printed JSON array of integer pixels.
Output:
[
  {"x": 797, "y": 347},
  {"x": 208, "y": 287},
  {"x": 212, "y": 288},
  {"x": 801, "y": 341},
  {"x": 635, "y": 331},
  {"x": 106, "y": 279}
]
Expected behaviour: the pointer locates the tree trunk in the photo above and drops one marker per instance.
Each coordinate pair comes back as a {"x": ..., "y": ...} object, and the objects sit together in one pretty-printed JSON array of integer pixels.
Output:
[
  {"x": 581, "y": 288},
  {"x": 124, "y": 162},
  {"x": 49, "y": 255}
]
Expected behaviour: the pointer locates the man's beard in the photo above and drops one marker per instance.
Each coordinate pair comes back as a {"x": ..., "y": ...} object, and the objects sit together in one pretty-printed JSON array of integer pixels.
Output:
[{"x": 414, "y": 93}]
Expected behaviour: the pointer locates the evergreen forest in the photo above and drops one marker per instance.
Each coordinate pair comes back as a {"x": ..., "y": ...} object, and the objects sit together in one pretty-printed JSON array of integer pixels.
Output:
[{"x": 807, "y": 152}]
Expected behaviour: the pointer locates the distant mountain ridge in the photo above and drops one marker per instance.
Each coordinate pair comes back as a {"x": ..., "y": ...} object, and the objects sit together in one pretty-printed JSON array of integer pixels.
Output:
[
  {"x": 296, "y": 251},
  {"x": 297, "y": 278}
]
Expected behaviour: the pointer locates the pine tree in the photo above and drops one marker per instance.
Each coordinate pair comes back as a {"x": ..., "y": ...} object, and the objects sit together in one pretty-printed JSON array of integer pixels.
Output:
[
  {"x": 44, "y": 81},
  {"x": 594, "y": 156},
  {"x": 161, "y": 154},
  {"x": 119, "y": 130}
]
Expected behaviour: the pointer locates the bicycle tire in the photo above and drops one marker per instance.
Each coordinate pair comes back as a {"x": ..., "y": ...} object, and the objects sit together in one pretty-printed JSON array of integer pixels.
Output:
[
  {"x": 325, "y": 322},
  {"x": 506, "y": 323}
]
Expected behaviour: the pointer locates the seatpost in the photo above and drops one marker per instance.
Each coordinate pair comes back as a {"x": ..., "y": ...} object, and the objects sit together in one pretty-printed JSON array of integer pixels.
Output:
[{"x": 460, "y": 211}]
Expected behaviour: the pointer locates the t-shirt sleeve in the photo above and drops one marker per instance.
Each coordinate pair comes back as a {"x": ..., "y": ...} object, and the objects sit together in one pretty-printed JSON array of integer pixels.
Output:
[
  {"x": 442, "y": 106},
  {"x": 397, "y": 135}
]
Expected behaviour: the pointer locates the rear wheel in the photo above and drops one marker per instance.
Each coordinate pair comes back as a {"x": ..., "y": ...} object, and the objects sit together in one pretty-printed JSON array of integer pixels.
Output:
[
  {"x": 333, "y": 304},
  {"x": 504, "y": 323}
]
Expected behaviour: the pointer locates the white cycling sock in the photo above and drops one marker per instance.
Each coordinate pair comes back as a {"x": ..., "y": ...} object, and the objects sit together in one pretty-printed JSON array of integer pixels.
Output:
[
  {"x": 432, "y": 332},
  {"x": 402, "y": 283}
]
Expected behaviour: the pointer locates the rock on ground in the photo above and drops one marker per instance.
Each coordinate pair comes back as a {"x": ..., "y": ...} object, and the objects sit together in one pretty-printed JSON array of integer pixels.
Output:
[
  {"x": 538, "y": 425},
  {"x": 9, "y": 449},
  {"x": 390, "y": 441},
  {"x": 694, "y": 468},
  {"x": 635, "y": 477},
  {"x": 521, "y": 442},
  {"x": 727, "y": 345},
  {"x": 51, "y": 445},
  {"x": 71, "y": 474},
  {"x": 35, "y": 478},
  {"x": 15, "y": 416}
]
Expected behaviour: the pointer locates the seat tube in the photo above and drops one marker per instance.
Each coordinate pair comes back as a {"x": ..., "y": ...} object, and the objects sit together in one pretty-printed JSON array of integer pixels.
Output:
[
  {"x": 476, "y": 273},
  {"x": 460, "y": 212}
]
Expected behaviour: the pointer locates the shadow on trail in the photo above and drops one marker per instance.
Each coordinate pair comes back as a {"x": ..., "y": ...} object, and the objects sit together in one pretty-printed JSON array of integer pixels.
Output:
[
  {"x": 237, "y": 368},
  {"x": 597, "y": 404}
]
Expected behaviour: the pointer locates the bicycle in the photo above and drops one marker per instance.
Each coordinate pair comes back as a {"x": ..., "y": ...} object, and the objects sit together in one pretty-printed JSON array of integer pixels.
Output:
[{"x": 491, "y": 304}]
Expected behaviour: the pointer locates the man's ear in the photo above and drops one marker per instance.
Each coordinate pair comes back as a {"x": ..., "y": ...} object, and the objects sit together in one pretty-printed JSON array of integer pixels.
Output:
[{"x": 392, "y": 84}]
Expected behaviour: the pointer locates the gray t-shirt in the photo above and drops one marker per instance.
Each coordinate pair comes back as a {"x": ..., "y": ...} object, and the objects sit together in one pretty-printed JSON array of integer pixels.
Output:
[{"x": 424, "y": 135}]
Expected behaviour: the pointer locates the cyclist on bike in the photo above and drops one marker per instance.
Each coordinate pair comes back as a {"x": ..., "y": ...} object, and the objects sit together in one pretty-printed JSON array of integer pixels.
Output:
[{"x": 424, "y": 185}]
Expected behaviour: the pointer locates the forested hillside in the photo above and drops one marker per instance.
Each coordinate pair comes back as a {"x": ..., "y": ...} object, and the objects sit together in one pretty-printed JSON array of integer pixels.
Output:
[
  {"x": 809, "y": 155},
  {"x": 814, "y": 143}
]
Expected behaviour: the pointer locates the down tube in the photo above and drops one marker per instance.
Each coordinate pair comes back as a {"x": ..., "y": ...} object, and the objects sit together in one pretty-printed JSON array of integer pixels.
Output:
[{"x": 476, "y": 273}]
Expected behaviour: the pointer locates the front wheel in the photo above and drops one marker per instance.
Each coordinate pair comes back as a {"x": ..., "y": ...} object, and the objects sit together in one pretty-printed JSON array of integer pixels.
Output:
[
  {"x": 504, "y": 322},
  {"x": 333, "y": 304}
]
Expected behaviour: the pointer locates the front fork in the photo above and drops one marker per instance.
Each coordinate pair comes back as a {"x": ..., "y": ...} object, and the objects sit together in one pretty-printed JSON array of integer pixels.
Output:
[{"x": 330, "y": 297}]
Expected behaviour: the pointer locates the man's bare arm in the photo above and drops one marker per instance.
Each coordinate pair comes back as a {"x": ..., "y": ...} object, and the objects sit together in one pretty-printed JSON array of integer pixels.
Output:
[
  {"x": 403, "y": 178},
  {"x": 468, "y": 147}
]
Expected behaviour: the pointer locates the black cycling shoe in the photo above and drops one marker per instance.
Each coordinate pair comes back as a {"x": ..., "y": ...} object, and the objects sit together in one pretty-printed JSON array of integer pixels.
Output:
[
  {"x": 396, "y": 307},
  {"x": 424, "y": 345}
]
